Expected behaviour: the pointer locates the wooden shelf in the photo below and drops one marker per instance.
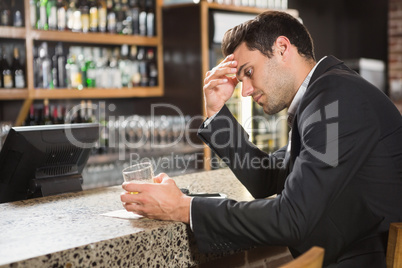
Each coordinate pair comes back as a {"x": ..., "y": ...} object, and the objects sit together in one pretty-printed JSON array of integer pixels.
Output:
[
  {"x": 245, "y": 9},
  {"x": 94, "y": 38},
  {"x": 12, "y": 32},
  {"x": 240, "y": 9},
  {"x": 13, "y": 94},
  {"x": 96, "y": 93}
]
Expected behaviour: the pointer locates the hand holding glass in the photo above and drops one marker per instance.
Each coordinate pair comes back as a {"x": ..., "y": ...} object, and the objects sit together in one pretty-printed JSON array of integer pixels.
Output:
[{"x": 140, "y": 173}]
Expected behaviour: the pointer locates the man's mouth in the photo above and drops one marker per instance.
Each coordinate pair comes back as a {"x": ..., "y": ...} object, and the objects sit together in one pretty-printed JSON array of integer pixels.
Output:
[{"x": 257, "y": 98}]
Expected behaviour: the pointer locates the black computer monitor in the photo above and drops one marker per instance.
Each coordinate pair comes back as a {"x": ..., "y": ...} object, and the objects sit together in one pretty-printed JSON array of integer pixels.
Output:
[{"x": 45, "y": 160}]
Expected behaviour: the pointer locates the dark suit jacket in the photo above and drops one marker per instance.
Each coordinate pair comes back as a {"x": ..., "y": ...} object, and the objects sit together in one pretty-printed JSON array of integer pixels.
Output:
[{"x": 340, "y": 189}]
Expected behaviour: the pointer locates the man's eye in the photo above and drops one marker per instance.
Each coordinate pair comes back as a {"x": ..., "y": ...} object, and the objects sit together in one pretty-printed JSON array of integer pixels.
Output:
[{"x": 249, "y": 73}]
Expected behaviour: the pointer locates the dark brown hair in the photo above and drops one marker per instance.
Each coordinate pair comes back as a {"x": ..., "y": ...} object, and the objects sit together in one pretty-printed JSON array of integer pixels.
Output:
[{"x": 261, "y": 32}]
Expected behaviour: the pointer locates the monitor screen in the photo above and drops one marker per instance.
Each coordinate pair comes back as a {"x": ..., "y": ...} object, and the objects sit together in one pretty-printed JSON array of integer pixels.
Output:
[{"x": 45, "y": 160}]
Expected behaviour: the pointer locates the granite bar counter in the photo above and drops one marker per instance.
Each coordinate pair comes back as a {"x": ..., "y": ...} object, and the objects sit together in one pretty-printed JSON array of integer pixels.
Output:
[{"x": 68, "y": 230}]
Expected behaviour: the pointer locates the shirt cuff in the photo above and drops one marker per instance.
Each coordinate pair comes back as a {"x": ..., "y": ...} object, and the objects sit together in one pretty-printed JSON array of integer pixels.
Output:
[
  {"x": 206, "y": 122},
  {"x": 191, "y": 218}
]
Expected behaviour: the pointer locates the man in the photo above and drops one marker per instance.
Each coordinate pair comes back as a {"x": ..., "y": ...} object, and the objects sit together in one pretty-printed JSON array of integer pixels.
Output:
[{"x": 339, "y": 179}]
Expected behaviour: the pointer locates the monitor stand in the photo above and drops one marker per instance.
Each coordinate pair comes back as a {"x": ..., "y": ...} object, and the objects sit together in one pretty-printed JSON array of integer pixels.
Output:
[{"x": 56, "y": 185}]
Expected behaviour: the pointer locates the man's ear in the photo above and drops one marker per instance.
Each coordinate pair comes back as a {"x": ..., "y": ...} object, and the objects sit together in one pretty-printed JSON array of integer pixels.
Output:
[{"x": 282, "y": 45}]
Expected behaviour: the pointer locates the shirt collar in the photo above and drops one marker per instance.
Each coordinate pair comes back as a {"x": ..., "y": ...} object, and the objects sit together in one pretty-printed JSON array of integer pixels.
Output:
[{"x": 300, "y": 93}]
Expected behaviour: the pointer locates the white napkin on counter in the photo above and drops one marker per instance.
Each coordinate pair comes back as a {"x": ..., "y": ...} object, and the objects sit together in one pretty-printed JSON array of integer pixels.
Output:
[{"x": 122, "y": 214}]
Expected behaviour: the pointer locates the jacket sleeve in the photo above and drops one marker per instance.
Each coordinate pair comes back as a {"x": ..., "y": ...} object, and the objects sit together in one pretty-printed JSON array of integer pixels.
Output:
[
  {"x": 335, "y": 135},
  {"x": 261, "y": 173}
]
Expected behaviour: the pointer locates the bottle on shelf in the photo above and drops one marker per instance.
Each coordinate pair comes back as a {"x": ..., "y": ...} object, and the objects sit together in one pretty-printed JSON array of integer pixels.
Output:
[
  {"x": 5, "y": 13},
  {"x": 84, "y": 8},
  {"x": 74, "y": 76},
  {"x": 111, "y": 17},
  {"x": 60, "y": 114},
  {"x": 18, "y": 70},
  {"x": 127, "y": 21},
  {"x": 6, "y": 73},
  {"x": 142, "y": 18},
  {"x": 30, "y": 120},
  {"x": 33, "y": 12},
  {"x": 152, "y": 69},
  {"x": 135, "y": 75},
  {"x": 114, "y": 72},
  {"x": 135, "y": 14},
  {"x": 93, "y": 16},
  {"x": 42, "y": 23},
  {"x": 150, "y": 23},
  {"x": 47, "y": 120},
  {"x": 59, "y": 60},
  {"x": 70, "y": 14},
  {"x": 144, "y": 82},
  {"x": 77, "y": 20},
  {"x": 124, "y": 66},
  {"x": 61, "y": 7},
  {"x": 90, "y": 115},
  {"x": 117, "y": 7},
  {"x": 102, "y": 16},
  {"x": 45, "y": 67},
  {"x": 51, "y": 12},
  {"x": 55, "y": 71},
  {"x": 17, "y": 14},
  {"x": 89, "y": 68}
]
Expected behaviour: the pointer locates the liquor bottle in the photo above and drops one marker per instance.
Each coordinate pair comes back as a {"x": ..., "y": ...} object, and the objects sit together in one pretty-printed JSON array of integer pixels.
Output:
[
  {"x": 74, "y": 76},
  {"x": 119, "y": 16},
  {"x": 5, "y": 19},
  {"x": 152, "y": 68},
  {"x": 60, "y": 59},
  {"x": 102, "y": 16},
  {"x": 124, "y": 65},
  {"x": 142, "y": 67},
  {"x": 61, "y": 15},
  {"x": 89, "y": 68},
  {"x": 30, "y": 120},
  {"x": 142, "y": 19},
  {"x": 42, "y": 23},
  {"x": 77, "y": 22},
  {"x": 7, "y": 76},
  {"x": 114, "y": 72},
  {"x": 127, "y": 19},
  {"x": 47, "y": 120},
  {"x": 78, "y": 117},
  {"x": 84, "y": 8},
  {"x": 150, "y": 18},
  {"x": 55, "y": 115},
  {"x": 60, "y": 114},
  {"x": 93, "y": 16},
  {"x": 17, "y": 14},
  {"x": 45, "y": 72},
  {"x": 83, "y": 111},
  {"x": 55, "y": 71},
  {"x": 135, "y": 75},
  {"x": 33, "y": 12},
  {"x": 135, "y": 14},
  {"x": 18, "y": 70},
  {"x": 70, "y": 14},
  {"x": 51, "y": 12},
  {"x": 90, "y": 114},
  {"x": 111, "y": 17}
]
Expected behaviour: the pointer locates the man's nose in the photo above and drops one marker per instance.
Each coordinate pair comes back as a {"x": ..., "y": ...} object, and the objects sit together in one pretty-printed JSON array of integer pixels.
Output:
[{"x": 247, "y": 88}]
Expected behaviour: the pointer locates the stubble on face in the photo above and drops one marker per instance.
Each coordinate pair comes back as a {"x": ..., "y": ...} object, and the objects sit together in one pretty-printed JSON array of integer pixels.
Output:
[{"x": 277, "y": 87}]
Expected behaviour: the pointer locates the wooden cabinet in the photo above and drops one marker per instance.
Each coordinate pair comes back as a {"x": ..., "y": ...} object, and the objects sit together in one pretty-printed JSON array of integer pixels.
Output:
[{"x": 29, "y": 36}]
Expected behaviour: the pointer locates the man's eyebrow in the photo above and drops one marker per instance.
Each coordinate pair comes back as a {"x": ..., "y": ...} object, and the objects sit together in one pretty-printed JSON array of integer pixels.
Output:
[{"x": 241, "y": 68}]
